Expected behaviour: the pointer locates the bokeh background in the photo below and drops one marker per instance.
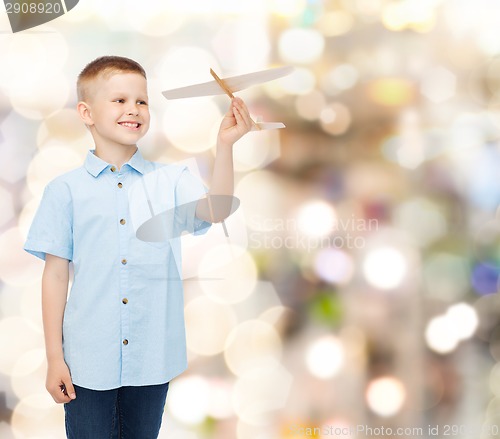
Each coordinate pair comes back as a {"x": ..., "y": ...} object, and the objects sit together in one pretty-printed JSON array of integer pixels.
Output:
[{"x": 358, "y": 290}]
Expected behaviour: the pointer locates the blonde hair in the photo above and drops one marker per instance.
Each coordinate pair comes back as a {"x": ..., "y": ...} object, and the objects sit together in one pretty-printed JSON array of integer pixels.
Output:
[{"x": 104, "y": 66}]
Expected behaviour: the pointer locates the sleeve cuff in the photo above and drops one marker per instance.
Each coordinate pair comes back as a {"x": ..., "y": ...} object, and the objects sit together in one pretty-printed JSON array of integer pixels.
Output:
[{"x": 41, "y": 248}]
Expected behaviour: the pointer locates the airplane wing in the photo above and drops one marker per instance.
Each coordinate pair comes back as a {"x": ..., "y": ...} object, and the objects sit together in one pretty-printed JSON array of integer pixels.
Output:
[
  {"x": 234, "y": 83},
  {"x": 205, "y": 89},
  {"x": 268, "y": 126}
]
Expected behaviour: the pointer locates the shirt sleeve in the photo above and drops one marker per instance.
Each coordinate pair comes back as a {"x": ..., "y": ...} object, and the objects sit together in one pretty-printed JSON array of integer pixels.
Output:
[
  {"x": 189, "y": 189},
  {"x": 52, "y": 228}
]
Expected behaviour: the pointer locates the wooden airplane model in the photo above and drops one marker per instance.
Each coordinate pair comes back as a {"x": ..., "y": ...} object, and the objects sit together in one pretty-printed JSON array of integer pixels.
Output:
[{"x": 231, "y": 85}]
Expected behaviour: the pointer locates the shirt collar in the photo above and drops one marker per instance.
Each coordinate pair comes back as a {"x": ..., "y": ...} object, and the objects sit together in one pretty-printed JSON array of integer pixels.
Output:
[{"x": 95, "y": 165}]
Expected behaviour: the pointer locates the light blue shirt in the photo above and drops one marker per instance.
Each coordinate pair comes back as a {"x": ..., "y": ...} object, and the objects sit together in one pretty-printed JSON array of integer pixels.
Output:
[{"x": 124, "y": 318}]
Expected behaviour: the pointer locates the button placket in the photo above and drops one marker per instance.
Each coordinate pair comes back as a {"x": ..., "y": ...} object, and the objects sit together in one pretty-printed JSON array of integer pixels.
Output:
[{"x": 123, "y": 232}]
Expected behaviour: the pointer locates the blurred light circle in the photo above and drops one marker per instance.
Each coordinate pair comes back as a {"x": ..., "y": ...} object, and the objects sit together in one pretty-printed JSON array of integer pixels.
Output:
[
  {"x": 487, "y": 309},
  {"x": 181, "y": 403},
  {"x": 300, "y": 45},
  {"x": 463, "y": 318},
  {"x": 316, "y": 218},
  {"x": 49, "y": 163},
  {"x": 220, "y": 399},
  {"x": 17, "y": 267},
  {"x": 446, "y": 276},
  {"x": 391, "y": 91},
  {"x": 64, "y": 125},
  {"x": 251, "y": 344},
  {"x": 309, "y": 106},
  {"x": 244, "y": 430},
  {"x": 487, "y": 243},
  {"x": 24, "y": 385},
  {"x": 223, "y": 7},
  {"x": 7, "y": 203},
  {"x": 26, "y": 216},
  {"x": 17, "y": 336},
  {"x": 10, "y": 300},
  {"x": 287, "y": 8},
  {"x": 335, "y": 119},
  {"x": 262, "y": 211},
  {"x": 277, "y": 316},
  {"x": 39, "y": 99},
  {"x": 153, "y": 18},
  {"x": 29, "y": 362},
  {"x": 178, "y": 124},
  {"x": 494, "y": 342},
  {"x": 38, "y": 414},
  {"x": 30, "y": 306},
  {"x": 334, "y": 266},
  {"x": 394, "y": 17},
  {"x": 240, "y": 36},
  {"x": 203, "y": 337},
  {"x": 385, "y": 396},
  {"x": 422, "y": 219},
  {"x": 255, "y": 150},
  {"x": 257, "y": 395},
  {"x": 495, "y": 380},
  {"x": 325, "y": 357},
  {"x": 234, "y": 276},
  {"x": 438, "y": 84},
  {"x": 300, "y": 82},
  {"x": 384, "y": 268},
  {"x": 29, "y": 57},
  {"x": 112, "y": 14},
  {"x": 416, "y": 15},
  {"x": 185, "y": 65},
  {"x": 440, "y": 335},
  {"x": 333, "y": 23},
  {"x": 342, "y": 77},
  {"x": 485, "y": 278}
]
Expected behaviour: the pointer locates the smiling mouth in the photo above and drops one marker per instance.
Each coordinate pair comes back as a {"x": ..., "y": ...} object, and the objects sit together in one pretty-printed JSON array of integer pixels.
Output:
[{"x": 131, "y": 125}]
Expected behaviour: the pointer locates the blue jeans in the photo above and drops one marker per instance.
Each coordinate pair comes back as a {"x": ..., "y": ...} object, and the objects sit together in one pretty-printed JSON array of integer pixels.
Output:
[{"x": 124, "y": 413}]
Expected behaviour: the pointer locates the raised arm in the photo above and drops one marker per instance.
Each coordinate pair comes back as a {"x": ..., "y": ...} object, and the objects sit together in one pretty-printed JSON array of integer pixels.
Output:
[
  {"x": 236, "y": 124},
  {"x": 54, "y": 294}
]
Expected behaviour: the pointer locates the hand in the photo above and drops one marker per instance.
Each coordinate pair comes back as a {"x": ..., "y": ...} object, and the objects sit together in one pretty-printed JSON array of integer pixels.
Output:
[
  {"x": 59, "y": 383},
  {"x": 236, "y": 123}
]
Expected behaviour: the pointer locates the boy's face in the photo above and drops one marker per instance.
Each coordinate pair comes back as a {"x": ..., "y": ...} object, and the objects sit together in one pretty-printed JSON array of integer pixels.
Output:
[{"x": 118, "y": 112}]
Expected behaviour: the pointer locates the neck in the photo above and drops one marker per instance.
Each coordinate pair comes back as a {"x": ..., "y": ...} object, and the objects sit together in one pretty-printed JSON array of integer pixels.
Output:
[{"x": 117, "y": 156}]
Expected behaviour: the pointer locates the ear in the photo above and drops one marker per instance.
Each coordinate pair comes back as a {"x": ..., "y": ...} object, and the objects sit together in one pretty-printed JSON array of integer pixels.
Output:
[{"x": 84, "y": 111}]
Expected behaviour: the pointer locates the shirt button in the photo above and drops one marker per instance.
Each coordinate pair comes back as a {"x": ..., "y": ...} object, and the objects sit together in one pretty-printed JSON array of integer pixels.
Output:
[
  {"x": 120, "y": 185},
  {"x": 125, "y": 342},
  {"x": 113, "y": 169},
  {"x": 122, "y": 221},
  {"x": 124, "y": 261},
  {"x": 124, "y": 300}
]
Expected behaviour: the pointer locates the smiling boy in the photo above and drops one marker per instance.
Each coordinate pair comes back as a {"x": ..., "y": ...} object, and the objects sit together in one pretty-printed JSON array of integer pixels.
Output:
[{"x": 115, "y": 344}]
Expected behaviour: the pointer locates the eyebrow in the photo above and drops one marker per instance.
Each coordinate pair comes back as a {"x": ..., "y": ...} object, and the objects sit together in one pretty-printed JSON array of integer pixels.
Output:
[{"x": 124, "y": 94}]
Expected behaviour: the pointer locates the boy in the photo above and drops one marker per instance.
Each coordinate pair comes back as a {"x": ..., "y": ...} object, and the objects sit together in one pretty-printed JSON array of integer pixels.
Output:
[{"x": 115, "y": 344}]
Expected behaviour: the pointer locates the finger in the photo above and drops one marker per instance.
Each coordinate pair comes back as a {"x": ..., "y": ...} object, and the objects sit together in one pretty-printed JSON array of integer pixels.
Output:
[
  {"x": 242, "y": 121},
  {"x": 238, "y": 103},
  {"x": 242, "y": 117},
  {"x": 58, "y": 394},
  {"x": 70, "y": 390}
]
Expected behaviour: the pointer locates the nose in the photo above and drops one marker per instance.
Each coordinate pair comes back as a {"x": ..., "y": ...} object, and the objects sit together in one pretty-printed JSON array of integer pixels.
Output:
[{"x": 133, "y": 111}]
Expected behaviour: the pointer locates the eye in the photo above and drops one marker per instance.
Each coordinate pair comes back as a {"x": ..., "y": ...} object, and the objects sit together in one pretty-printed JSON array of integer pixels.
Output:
[
  {"x": 120, "y": 101},
  {"x": 142, "y": 102}
]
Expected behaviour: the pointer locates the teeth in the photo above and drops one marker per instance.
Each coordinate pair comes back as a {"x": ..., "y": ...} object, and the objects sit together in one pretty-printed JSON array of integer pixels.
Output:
[{"x": 130, "y": 125}]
